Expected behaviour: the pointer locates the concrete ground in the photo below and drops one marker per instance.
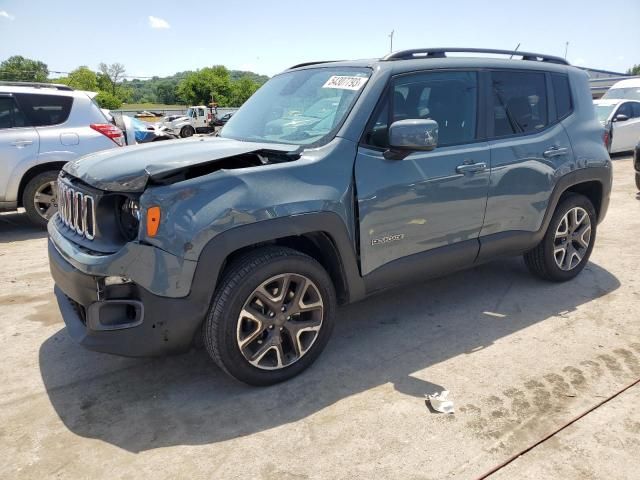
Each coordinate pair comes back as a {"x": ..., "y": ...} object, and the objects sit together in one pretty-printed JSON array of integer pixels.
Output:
[{"x": 520, "y": 357}]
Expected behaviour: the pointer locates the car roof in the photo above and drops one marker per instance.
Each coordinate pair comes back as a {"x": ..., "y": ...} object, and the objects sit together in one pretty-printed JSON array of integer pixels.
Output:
[
  {"x": 409, "y": 65},
  {"x": 631, "y": 82},
  {"x": 607, "y": 101},
  {"x": 45, "y": 90},
  {"x": 613, "y": 101}
]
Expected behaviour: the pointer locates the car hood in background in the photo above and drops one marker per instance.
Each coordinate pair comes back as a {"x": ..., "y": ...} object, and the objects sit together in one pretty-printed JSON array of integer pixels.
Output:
[{"x": 129, "y": 169}]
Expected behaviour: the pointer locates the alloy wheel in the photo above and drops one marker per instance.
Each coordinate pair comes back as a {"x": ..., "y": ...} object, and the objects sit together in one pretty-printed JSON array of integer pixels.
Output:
[
  {"x": 572, "y": 238},
  {"x": 280, "y": 321},
  {"x": 46, "y": 200}
]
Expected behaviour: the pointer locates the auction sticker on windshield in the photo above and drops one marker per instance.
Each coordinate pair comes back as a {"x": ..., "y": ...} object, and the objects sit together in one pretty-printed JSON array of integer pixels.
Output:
[{"x": 345, "y": 82}]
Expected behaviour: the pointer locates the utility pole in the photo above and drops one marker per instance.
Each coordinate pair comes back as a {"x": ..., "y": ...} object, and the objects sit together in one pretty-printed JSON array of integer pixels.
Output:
[
  {"x": 391, "y": 41},
  {"x": 566, "y": 48}
]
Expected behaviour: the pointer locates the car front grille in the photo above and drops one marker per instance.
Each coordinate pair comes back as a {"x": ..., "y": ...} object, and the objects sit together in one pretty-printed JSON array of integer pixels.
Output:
[{"x": 77, "y": 210}]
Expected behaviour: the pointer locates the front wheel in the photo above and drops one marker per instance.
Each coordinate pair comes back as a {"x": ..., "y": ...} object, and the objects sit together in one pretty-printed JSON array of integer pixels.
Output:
[
  {"x": 638, "y": 181},
  {"x": 187, "y": 132},
  {"x": 566, "y": 247},
  {"x": 271, "y": 316}
]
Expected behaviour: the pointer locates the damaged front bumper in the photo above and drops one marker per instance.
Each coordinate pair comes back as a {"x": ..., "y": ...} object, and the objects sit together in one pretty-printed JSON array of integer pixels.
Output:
[{"x": 148, "y": 313}]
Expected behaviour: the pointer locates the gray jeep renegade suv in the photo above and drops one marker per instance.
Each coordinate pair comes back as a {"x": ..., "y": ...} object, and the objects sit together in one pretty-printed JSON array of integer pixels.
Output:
[{"x": 335, "y": 180}]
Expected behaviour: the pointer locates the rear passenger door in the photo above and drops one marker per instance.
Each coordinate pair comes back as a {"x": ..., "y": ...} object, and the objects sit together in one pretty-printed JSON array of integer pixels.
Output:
[
  {"x": 430, "y": 201},
  {"x": 48, "y": 113},
  {"x": 529, "y": 146},
  {"x": 18, "y": 147}
]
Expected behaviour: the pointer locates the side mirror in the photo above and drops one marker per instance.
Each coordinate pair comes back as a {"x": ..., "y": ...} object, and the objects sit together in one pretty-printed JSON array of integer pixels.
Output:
[
  {"x": 411, "y": 135},
  {"x": 621, "y": 117}
]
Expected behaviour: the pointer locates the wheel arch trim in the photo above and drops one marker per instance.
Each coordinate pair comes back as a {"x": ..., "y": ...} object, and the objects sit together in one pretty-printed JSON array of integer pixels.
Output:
[{"x": 221, "y": 248}]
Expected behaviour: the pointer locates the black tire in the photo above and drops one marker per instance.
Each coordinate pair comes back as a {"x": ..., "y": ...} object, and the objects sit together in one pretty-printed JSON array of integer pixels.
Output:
[
  {"x": 28, "y": 196},
  {"x": 187, "y": 131},
  {"x": 638, "y": 181},
  {"x": 541, "y": 260},
  {"x": 238, "y": 282}
]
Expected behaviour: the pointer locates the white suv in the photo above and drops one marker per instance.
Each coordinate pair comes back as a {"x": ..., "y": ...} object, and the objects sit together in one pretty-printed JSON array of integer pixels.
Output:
[{"x": 42, "y": 127}]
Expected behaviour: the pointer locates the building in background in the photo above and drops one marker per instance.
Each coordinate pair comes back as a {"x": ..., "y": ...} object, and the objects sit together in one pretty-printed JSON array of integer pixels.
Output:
[{"x": 601, "y": 80}]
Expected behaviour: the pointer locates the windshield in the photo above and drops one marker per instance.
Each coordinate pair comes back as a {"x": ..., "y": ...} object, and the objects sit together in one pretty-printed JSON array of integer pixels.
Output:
[
  {"x": 303, "y": 107},
  {"x": 603, "y": 112},
  {"x": 630, "y": 93}
]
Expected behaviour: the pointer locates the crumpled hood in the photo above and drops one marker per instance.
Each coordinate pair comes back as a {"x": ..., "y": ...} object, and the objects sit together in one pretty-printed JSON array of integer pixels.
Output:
[{"x": 128, "y": 169}]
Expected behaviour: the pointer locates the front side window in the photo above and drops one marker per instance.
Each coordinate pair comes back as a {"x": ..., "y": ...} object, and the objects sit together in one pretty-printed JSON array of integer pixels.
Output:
[
  {"x": 635, "y": 107},
  {"x": 10, "y": 115},
  {"x": 303, "y": 107},
  {"x": 625, "y": 109},
  {"x": 44, "y": 110},
  {"x": 449, "y": 98},
  {"x": 519, "y": 102}
]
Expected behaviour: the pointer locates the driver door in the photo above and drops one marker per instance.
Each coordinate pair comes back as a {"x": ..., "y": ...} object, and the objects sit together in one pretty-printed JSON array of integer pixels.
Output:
[
  {"x": 429, "y": 206},
  {"x": 625, "y": 133}
]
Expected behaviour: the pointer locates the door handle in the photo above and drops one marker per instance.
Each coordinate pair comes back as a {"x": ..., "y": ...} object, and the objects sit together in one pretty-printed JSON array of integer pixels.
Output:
[
  {"x": 471, "y": 167},
  {"x": 555, "y": 151},
  {"x": 21, "y": 143}
]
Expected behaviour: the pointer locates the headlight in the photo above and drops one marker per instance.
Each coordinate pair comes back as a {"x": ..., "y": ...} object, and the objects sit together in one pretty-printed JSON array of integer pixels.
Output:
[{"x": 129, "y": 218}]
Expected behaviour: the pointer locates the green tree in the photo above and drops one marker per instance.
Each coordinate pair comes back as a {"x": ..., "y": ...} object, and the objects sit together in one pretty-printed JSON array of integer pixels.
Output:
[
  {"x": 112, "y": 74},
  {"x": 108, "y": 101},
  {"x": 166, "y": 93},
  {"x": 241, "y": 90},
  {"x": 18, "y": 68},
  {"x": 81, "y": 79},
  {"x": 206, "y": 85},
  {"x": 635, "y": 70}
]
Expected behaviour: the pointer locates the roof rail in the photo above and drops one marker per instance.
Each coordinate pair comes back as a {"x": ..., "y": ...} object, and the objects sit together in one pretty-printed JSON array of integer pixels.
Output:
[
  {"x": 306, "y": 64},
  {"x": 57, "y": 86},
  {"x": 441, "y": 53}
]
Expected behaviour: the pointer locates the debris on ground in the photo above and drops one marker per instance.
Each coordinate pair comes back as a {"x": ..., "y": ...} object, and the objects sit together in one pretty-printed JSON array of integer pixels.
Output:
[{"x": 440, "y": 403}]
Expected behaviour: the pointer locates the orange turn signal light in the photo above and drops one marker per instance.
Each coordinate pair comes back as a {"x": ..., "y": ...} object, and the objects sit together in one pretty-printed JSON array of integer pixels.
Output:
[{"x": 153, "y": 221}]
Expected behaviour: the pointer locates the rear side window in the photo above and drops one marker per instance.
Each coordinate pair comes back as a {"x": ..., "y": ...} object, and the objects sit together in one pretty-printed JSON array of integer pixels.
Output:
[
  {"x": 44, "y": 110},
  {"x": 519, "y": 102},
  {"x": 10, "y": 115},
  {"x": 562, "y": 94}
]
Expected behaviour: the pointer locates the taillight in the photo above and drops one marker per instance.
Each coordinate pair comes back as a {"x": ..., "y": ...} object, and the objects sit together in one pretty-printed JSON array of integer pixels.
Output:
[
  {"x": 605, "y": 138},
  {"x": 209, "y": 116},
  {"x": 111, "y": 131}
]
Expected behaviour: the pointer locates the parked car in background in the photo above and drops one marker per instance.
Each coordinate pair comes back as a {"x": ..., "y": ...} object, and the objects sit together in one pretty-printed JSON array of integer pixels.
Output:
[
  {"x": 621, "y": 120},
  {"x": 219, "y": 122},
  {"x": 412, "y": 166},
  {"x": 636, "y": 163},
  {"x": 624, "y": 89},
  {"x": 42, "y": 127},
  {"x": 137, "y": 131},
  {"x": 198, "y": 119}
]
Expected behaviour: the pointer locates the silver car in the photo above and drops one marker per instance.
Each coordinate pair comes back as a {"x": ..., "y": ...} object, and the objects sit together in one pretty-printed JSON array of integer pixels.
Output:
[{"x": 42, "y": 127}]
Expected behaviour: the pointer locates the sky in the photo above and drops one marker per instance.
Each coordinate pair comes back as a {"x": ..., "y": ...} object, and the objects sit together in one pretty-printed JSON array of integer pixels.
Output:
[{"x": 161, "y": 37}]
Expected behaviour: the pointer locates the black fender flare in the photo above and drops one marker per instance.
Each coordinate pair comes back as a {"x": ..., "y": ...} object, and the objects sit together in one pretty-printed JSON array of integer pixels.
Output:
[{"x": 214, "y": 255}]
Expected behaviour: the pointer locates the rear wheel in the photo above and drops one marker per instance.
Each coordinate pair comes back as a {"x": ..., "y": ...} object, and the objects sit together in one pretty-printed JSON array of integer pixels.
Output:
[
  {"x": 271, "y": 316},
  {"x": 40, "y": 197},
  {"x": 638, "y": 181},
  {"x": 187, "y": 131},
  {"x": 566, "y": 247}
]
